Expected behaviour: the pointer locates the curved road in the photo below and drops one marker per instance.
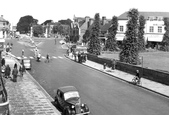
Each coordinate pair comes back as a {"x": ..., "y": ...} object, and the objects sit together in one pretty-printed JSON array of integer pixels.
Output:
[{"x": 105, "y": 95}]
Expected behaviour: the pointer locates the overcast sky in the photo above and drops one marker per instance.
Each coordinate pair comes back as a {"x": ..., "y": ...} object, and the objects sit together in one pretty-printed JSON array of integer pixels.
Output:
[{"x": 56, "y": 10}]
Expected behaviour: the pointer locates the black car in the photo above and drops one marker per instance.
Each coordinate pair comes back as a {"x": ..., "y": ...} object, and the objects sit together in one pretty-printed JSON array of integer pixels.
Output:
[{"x": 67, "y": 100}]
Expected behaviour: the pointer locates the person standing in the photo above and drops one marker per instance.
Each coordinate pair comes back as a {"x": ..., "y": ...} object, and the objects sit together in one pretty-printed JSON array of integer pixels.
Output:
[
  {"x": 3, "y": 61},
  {"x": 15, "y": 73},
  {"x": 7, "y": 71}
]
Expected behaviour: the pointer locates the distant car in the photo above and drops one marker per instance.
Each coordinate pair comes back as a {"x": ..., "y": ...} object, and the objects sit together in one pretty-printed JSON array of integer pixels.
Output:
[
  {"x": 68, "y": 101},
  {"x": 27, "y": 63}
]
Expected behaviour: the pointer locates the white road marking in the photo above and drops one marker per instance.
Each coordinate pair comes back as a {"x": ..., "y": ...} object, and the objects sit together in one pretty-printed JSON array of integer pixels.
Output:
[
  {"x": 60, "y": 57},
  {"x": 43, "y": 57},
  {"x": 31, "y": 57},
  {"x": 54, "y": 57}
]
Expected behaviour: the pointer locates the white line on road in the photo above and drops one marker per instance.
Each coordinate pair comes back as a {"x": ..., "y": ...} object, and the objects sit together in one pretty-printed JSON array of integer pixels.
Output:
[
  {"x": 43, "y": 57},
  {"x": 54, "y": 57},
  {"x": 31, "y": 57},
  {"x": 60, "y": 57}
]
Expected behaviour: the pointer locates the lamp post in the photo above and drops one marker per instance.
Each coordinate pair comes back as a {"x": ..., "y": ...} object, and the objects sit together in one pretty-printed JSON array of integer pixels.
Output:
[{"x": 141, "y": 58}]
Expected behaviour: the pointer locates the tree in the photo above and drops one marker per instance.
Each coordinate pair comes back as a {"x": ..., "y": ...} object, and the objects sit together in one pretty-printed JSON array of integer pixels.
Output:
[
  {"x": 129, "y": 53},
  {"x": 65, "y": 22},
  {"x": 86, "y": 36},
  {"x": 37, "y": 30},
  {"x": 25, "y": 23},
  {"x": 46, "y": 22},
  {"x": 141, "y": 41},
  {"x": 165, "y": 41},
  {"x": 111, "y": 42},
  {"x": 94, "y": 46}
]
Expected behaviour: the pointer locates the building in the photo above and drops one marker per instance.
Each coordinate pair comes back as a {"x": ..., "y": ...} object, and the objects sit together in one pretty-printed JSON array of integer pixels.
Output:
[
  {"x": 154, "y": 26},
  {"x": 4, "y": 27},
  {"x": 87, "y": 23}
]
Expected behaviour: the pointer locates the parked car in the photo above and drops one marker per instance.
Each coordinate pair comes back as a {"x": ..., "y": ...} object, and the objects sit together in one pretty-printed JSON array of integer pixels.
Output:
[
  {"x": 27, "y": 63},
  {"x": 68, "y": 101}
]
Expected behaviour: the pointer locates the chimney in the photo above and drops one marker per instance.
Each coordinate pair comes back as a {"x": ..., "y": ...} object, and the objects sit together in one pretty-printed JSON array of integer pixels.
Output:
[
  {"x": 90, "y": 22},
  {"x": 87, "y": 19},
  {"x": 1, "y": 16},
  {"x": 103, "y": 20}
]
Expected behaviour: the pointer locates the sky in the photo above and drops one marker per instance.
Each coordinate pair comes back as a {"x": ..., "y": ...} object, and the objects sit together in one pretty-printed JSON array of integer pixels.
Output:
[{"x": 42, "y": 10}]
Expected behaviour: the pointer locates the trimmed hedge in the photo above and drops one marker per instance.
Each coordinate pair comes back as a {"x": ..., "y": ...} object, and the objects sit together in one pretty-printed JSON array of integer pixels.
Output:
[{"x": 154, "y": 75}]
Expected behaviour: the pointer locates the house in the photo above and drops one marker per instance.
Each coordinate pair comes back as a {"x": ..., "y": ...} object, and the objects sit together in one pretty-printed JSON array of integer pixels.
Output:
[
  {"x": 154, "y": 26},
  {"x": 87, "y": 23},
  {"x": 4, "y": 27}
]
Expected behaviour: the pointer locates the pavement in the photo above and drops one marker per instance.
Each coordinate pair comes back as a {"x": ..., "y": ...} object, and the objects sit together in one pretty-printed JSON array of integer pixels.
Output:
[
  {"x": 155, "y": 87},
  {"x": 26, "y": 96}
]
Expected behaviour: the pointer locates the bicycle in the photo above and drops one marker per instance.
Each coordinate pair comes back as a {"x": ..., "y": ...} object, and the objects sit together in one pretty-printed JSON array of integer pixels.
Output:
[{"x": 136, "y": 81}]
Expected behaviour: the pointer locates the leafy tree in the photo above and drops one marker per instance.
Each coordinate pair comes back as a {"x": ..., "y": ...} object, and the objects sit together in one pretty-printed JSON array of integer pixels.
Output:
[
  {"x": 111, "y": 42},
  {"x": 65, "y": 22},
  {"x": 165, "y": 41},
  {"x": 37, "y": 30},
  {"x": 94, "y": 46},
  {"x": 86, "y": 36},
  {"x": 141, "y": 41},
  {"x": 129, "y": 53},
  {"x": 25, "y": 23},
  {"x": 46, "y": 22}
]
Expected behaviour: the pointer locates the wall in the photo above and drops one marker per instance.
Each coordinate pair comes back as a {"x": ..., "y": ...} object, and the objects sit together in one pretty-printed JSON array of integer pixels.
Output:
[{"x": 154, "y": 75}]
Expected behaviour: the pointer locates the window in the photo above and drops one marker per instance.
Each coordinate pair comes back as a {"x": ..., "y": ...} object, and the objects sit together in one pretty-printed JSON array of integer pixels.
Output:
[
  {"x": 159, "y": 29},
  {"x": 121, "y": 28},
  {"x": 151, "y": 29}
]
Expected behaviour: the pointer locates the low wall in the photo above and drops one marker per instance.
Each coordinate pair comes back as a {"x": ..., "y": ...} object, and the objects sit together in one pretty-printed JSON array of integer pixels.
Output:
[{"x": 154, "y": 75}]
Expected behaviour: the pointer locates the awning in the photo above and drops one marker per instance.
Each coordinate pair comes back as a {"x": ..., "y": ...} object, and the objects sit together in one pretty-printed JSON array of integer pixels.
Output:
[
  {"x": 119, "y": 38},
  {"x": 154, "y": 38}
]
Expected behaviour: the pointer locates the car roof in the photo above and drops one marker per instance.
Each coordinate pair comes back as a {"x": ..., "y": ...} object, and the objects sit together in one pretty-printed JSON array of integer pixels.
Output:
[{"x": 67, "y": 89}]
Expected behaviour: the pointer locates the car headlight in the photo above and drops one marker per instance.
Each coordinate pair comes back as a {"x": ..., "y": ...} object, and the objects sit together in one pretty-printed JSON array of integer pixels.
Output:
[
  {"x": 82, "y": 105},
  {"x": 73, "y": 106}
]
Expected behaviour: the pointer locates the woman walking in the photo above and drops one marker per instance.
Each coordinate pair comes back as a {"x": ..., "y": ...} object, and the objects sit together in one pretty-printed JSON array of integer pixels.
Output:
[{"x": 15, "y": 73}]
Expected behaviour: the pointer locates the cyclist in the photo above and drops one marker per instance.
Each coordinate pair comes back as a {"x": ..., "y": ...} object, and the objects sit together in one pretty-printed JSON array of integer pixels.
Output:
[{"x": 138, "y": 77}]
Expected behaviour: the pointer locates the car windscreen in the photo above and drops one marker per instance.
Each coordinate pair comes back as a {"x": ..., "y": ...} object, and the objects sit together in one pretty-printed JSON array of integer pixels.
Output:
[
  {"x": 26, "y": 61},
  {"x": 72, "y": 94}
]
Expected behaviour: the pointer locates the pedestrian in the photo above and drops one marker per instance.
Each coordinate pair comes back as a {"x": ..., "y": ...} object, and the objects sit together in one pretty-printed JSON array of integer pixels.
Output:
[
  {"x": 15, "y": 74},
  {"x": 3, "y": 61},
  {"x": 22, "y": 69},
  {"x": 47, "y": 58},
  {"x": 22, "y": 52},
  {"x": 15, "y": 65},
  {"x": 113, "y": 64},
  {"x": 7, "y": 72}
]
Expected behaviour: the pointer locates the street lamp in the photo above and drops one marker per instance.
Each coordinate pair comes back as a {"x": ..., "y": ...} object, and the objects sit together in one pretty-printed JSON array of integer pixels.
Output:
[{"x": 141, "y": 58}]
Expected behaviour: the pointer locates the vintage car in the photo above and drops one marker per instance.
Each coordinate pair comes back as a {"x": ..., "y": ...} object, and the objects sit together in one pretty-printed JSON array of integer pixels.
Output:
[
  {"x": 27, "y": 63},
  {"x": 67, "y": 100}
]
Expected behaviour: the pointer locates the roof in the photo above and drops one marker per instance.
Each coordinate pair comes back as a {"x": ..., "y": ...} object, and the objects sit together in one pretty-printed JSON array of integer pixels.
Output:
[
  {"x": 145, "y": 14},
  {"x": 105, "y": 27},
  {"x": 2, "y": 19},
  {"x": 81, "y": 23},
  {"x": 67, "y": 89}
]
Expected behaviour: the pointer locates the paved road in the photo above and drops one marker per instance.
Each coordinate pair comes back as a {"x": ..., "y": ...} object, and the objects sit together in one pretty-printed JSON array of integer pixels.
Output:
[{"x": 104, "y": 95}]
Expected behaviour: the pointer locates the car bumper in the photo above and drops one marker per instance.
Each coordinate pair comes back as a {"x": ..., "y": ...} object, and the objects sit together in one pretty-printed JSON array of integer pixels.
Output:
[{"x": 83, "y": 113}]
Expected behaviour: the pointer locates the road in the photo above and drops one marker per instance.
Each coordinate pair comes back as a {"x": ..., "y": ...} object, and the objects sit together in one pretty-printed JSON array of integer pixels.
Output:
[{"x": 104, "y": 94}]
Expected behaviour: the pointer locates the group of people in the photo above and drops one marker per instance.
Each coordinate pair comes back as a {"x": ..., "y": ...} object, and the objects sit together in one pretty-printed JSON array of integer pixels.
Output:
[
  {"x": 9, "y": 47},
  {"x": 6, "y": 70}
]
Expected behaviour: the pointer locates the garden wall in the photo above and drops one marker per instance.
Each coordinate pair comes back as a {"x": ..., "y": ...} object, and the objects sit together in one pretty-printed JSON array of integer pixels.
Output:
[{"x": 154, "y": 75}]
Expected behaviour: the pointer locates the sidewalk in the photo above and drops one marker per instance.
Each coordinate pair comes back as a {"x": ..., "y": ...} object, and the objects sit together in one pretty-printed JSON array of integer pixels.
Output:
[
  {"x": 147, "y": 84},
  {"x": 27, "y": 97}
]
